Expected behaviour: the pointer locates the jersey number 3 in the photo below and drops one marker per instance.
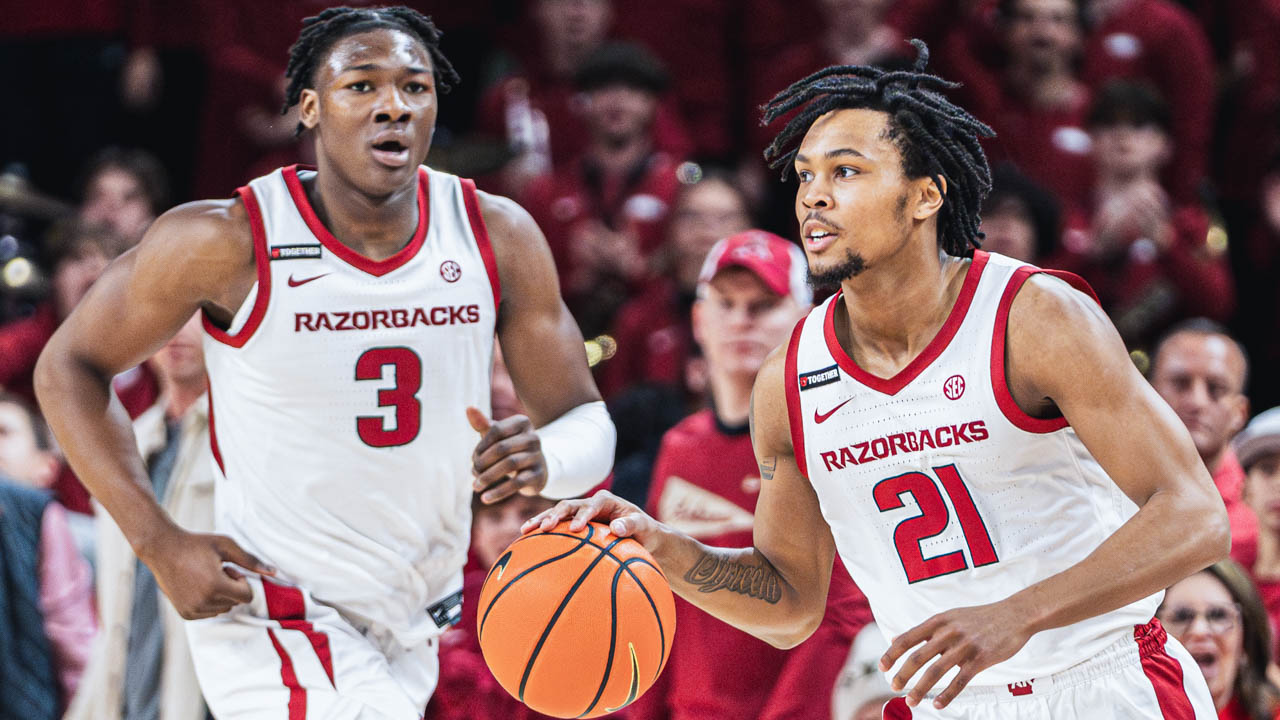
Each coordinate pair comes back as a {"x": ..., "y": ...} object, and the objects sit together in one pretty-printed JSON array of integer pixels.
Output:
[
  {"x": 403, "y": 396},
  {"x": 932, "y": 521}
]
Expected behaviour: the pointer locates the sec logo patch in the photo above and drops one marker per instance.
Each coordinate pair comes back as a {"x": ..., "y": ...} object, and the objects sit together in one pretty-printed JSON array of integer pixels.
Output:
[
  {"x": 953, "y": 388},
  {"x": 450, "y": 271}
]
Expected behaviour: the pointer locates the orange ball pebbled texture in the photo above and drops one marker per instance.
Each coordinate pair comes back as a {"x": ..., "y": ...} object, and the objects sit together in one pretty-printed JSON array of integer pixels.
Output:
[{"x": 576, "y": 624}]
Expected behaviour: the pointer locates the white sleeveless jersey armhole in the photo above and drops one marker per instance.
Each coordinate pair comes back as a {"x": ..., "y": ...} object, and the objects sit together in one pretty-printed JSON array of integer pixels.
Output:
[
  {"x": 939, "y": 491},
  {"x": 338, "y": 397}
]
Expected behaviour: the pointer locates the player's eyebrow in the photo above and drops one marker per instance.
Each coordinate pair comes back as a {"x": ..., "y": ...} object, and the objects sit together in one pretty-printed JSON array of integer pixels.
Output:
[
  {"x": 367, "y": 67},
  {"x": 838, "y": 152}
]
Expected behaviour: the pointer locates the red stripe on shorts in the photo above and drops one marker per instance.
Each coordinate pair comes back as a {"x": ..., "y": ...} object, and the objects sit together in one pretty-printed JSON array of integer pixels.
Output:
[
  {"x": 297, "y": 695},
  {"x": 1164, "y": 672},
  {"x": 897, "y": 709},
  {"x": 286, "y": 606}
]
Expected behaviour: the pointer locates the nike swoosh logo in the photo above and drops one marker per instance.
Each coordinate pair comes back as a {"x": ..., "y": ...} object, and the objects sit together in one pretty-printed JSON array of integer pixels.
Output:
[
  {"x": 635, "y": 682},
  {"x": 822, "y": 417},
  {"x": 296, "y": 283}
]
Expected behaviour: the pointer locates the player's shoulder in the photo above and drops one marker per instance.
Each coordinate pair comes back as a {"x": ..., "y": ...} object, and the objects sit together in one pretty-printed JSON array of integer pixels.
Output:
[
  {"x": 1048, "y": 304},
  {"x": 203, "y": 229}
]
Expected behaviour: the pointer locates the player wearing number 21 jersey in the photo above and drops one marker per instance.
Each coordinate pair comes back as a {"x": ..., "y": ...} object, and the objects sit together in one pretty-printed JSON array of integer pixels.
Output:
[
  {"x": 350, "y": 311},
  {"x": 968, "y": 433}
]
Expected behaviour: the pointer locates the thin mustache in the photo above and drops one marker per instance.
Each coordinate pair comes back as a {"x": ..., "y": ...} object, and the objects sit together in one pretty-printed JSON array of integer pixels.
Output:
[{"x": 813, "y": 215}]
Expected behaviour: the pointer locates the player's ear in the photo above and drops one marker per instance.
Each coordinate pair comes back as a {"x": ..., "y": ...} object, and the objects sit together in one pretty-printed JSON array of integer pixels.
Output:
[
  {"x": 932, "y": 192},
  {"x": 309, "y": 108}
]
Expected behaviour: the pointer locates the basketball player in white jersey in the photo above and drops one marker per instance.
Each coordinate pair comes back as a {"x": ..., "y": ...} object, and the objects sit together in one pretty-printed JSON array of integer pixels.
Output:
[
  {"x": 967, "y": 431},
  {"x": 350, "y": 312}
]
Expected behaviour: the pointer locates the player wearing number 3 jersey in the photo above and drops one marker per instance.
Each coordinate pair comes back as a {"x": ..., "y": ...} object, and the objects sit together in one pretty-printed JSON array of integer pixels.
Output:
[
  {"x": 350, "y": 312},
  {"x": 968, "y": 433}
]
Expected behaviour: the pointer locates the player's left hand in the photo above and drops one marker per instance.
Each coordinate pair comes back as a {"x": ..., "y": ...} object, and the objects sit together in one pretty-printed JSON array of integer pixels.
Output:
[
  {"x": 508, "y": 459},
  {"x": 970, "y": 638}
]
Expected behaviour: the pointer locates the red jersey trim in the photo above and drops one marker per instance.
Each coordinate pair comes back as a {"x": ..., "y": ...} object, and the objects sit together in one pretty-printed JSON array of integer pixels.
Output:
[
  {"x": 346, "y": 254},
  {"x": 264, "y": 277},
  {"x": 999, "y": 378},
  {"x": 892, "y": 385},
  {"x": 286, "y": 606},
  {"x": 794, "y": 417},
  {"x": 481, "y": 233}
]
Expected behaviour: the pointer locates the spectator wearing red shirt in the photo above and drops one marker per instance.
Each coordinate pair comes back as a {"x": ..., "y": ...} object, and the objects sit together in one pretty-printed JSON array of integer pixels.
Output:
[
  {"x": 1150, "y": 259},
  {"x": 706, "y": 482},
  {"x": 1037, "y": 102},
  {"x": 1200, "y": 370},
  {"x": 535, "y": 108},
  {"x": 1159, "y": 42},
  {"x": 652, "y": 330},
  {"x": 1258, "y": 449},
  {"x": 852, "y": 32},
  {"x": 605, "y": 214}
]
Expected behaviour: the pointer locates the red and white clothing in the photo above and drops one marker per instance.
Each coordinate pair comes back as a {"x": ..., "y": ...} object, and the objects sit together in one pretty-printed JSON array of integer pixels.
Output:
[
  {"x": 940, "y": 492},
  {"x": 338, "y": 427},
  {"x": 706, "y": 483}
]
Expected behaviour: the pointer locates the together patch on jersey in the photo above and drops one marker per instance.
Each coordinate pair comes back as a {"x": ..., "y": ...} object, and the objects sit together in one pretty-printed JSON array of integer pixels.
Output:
[
  {"x": 818, "y": 378},
  {"x": 295, "y": 252}
]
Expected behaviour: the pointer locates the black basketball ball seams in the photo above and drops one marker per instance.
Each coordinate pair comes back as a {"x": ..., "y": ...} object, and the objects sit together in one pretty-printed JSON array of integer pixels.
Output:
[
  {"x": 507, "y": 556},
  {"x": 564, "y": 602},
  {"x": 613, "y": 636}
]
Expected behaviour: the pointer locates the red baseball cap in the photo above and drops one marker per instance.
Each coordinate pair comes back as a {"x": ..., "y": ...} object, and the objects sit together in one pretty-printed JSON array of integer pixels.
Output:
[{"x": 779, "y": 264}]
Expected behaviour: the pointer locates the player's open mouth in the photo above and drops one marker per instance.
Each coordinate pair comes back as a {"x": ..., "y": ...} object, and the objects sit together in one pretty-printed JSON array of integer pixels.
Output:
[
  {"x": 391, "y": 153},
  {"x": 818, "y": 237}
]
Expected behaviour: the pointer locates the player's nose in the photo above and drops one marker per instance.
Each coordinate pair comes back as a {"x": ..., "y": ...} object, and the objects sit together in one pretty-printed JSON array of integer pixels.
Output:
[
  {"x": 817, "y": 194},
  {"x": 392, "y": 107}
]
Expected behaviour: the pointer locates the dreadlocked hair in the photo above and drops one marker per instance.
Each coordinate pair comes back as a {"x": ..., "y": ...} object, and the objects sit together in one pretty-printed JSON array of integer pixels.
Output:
[
  {"x": 320, "y": 32},
  {"x": 937, "y": 139}
]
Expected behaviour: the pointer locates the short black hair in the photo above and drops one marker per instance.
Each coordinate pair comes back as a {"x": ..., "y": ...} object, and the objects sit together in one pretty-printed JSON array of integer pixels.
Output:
[
  {"x": 1009, "y": 183},
  {"x": 623, "y": 64},
  {"x": 39, "y": 429},
  {"x": 1201, "y": 326},
  {"x": 320, "y": 32},
  {"x": 937, "y": 138},
  {"x": 142, "y": 165},
  {"x": 1121, "y": 102}
]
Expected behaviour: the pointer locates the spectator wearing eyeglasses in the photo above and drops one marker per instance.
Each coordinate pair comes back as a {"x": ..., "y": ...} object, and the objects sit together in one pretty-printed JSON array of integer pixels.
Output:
[{"x": 1218, "y": 616}]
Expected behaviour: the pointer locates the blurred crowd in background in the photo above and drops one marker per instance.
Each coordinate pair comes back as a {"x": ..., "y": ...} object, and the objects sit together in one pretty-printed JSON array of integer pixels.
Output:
[{"x": 1137, "y": 143}]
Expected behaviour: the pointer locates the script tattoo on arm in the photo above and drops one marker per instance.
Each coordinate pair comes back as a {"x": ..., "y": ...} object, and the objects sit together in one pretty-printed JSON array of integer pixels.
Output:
[
  {"x": 767, "y": 466},
  {"x": 713, "y": 572}
]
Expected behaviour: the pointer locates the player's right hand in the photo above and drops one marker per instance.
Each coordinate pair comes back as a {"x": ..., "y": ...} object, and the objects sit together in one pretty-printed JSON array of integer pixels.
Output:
[
  {"x": 189, "y": 569},
  {"x": 624, "y": 518}
]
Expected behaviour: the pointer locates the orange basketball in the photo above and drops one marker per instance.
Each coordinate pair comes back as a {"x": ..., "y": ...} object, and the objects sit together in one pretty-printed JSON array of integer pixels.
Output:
[{"x": 576, "y": 624}]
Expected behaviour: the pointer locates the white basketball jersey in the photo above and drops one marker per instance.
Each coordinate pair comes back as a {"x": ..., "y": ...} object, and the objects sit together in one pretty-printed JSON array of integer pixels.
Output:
[
  {"x": 940, "y": 492},
  {"x": 338, "y": 396}
]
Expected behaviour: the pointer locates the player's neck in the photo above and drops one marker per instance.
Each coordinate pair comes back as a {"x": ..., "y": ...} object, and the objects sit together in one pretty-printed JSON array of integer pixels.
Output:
[
  {"x": 893, "y": 310},
  {"x": 731, "y": 397},
  {"x": 376, "y": 228}
]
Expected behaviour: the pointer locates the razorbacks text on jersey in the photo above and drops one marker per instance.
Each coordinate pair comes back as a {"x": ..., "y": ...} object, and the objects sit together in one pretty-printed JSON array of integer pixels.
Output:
[
  {"x": 337, "y": 402},
  {"x": 940, "y": 492}
]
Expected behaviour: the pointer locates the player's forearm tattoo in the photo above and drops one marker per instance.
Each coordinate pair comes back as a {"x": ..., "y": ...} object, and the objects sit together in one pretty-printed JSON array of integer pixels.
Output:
[
  {"x": 767, "y": 466},
  {"x": 712, "y": 573}
]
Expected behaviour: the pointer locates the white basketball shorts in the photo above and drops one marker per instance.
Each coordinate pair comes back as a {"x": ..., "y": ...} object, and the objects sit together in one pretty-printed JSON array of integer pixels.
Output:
[
  {"x": 286, "y": 657},
  {"x": 1148, "y": 676}
]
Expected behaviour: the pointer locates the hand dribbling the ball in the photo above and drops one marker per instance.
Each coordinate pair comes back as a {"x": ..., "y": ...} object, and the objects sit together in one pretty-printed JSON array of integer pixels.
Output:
[{"x": 624, "y": 519}]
